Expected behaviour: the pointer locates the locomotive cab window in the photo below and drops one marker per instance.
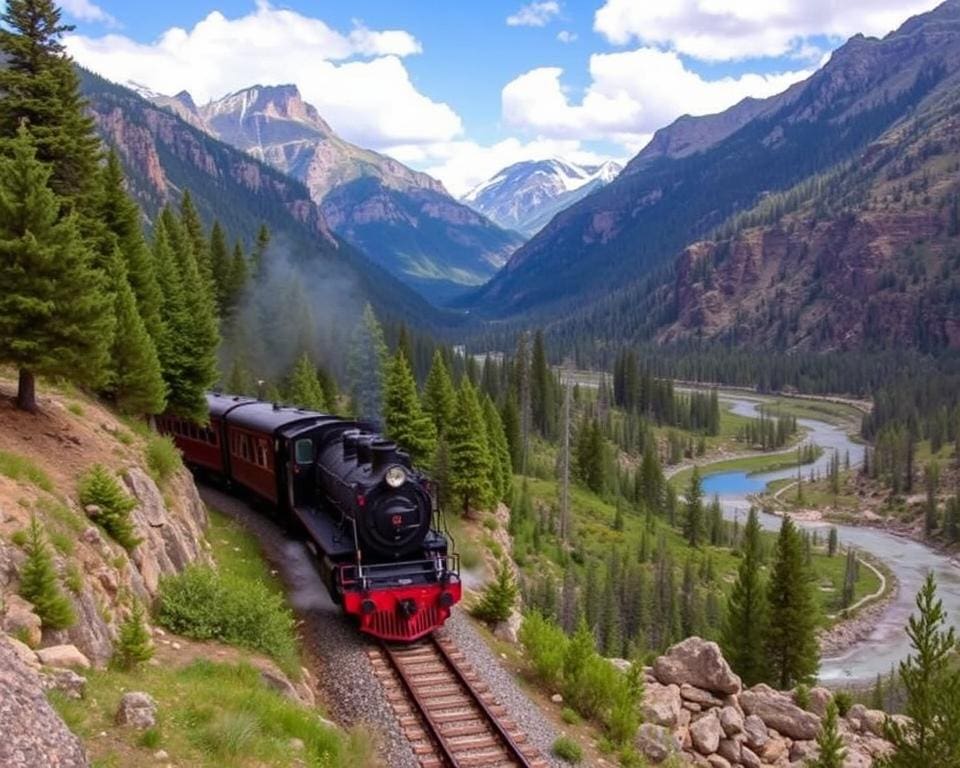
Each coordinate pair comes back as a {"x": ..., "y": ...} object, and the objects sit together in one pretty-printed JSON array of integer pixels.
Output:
[{"x": 303, "y": 450}]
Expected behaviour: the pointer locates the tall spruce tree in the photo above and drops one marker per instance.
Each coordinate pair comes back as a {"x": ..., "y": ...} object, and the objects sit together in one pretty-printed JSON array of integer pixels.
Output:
[
  {"x": 439, "y": 396},
  {"x": 469, "y": 455},
  {"x": 218, "y": 256},
  {"x": 693, "y": 521},
  {"x": 790, "y": 640},
  {"x": 304, "y": 389},
  {"x": 368, "y": 355},
  {"x": 194, "y": 238},
  {"x": 40, "y": 88},
  {"x": 831, "y": 752},
  {"x": 39, "y": 584},
  {"x": 407, "y": 424},
  {"x": 744, "y": 629},
  {"x": 501, "y": 473},
  {"x": 55, "y": 307},
  {"x": 931, "y": 681}
]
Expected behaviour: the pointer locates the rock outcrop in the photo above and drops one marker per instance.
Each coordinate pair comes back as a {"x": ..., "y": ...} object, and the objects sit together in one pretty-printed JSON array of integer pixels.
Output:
[{"x": 696, "y": 709}]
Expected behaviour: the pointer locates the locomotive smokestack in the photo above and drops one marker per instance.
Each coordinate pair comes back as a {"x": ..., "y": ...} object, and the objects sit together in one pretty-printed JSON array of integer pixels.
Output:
[
  {"x": 364, "y": 451},
  {"x": 350, "y": 444},
  {"x": 384, "y": 454}
]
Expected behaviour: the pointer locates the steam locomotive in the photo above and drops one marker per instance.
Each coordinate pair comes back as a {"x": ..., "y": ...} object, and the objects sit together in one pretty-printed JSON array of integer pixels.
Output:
[{"x": 370, "y": 517}]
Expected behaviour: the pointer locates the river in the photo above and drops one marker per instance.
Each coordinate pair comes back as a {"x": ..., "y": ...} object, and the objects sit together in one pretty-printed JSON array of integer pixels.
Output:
[{"x": 909, "y": 560}]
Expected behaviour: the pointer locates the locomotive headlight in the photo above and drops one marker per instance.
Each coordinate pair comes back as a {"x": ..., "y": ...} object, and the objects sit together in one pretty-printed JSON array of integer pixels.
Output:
[{"x": 395, "y": 477}]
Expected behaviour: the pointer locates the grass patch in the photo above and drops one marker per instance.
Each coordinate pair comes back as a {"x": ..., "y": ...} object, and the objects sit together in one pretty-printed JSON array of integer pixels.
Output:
[
  {"x": 22, "y": 469},
  {"x": 567, "y": 749},
  {"x": 52, "y": 509},
  {"x": 752, "y": 465},
  {"x": 471, "y": 556},
  {"x": 163, "y": 457},
  {"x": 76, "y": 409},
  {"x": 822, "y": 410},
  {"x": 209, "y": 715}
]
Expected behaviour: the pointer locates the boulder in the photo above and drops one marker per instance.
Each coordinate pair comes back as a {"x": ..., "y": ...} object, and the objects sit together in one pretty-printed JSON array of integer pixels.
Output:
[
  {"x": 137, "y": 709},
  {"x": 819, "y": 699},
  {"x": 756, "y": 732},
  {"x": 775, "y": 749},
  {"x": 278, "y": 681},
  {"x": 873, "y": 720},
  {"x": 706, "y": 733},
  {"x": 623, "y": 665},
  {"x": 68, "y": 682},
  {"x": 802, "y": 751},
  {"x": 698, "y": 663},
  {"x": 731, "y": 720},
  {"x": 730, "y": 750},
  {"x": 63, "y": 656},
  {"x": 718, "y": 761},
  {"x": 748, "y": 758},
  {"x": 699, "y": 696},
  {"x": 508, "y": 631},
  {"x": 32, "y": 732},
  {"x": 855, "y": 717},
  {"x": 20, "y": 620},
  {"x": 661, "y": 705},
  {"x": 779, "y": 712},
  {"x": 26, "y": 654},
  {"x": 856, "y": 758},
  {"x": 655, "y": 742}
]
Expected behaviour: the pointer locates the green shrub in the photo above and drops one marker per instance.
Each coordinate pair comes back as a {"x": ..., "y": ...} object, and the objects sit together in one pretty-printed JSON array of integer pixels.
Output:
[
  {"x": 20, "y": 537},
  {"x": 150, "y": 738},
  {"x": 76, "y": 409},
  {"x": 163, "y": 457},
  {"x": 98, "y": 487},
  {"x": 570, "y": 716},
  {"x": 73, "y": 579},
  {"x": 61, "y": 541},
  {"x": 18, "y": 468},
  {"x": 498, "y": 597},
  {"x": 39, "y": 584},
  {"x": 546, "y": 644},
  {"x": 133, "y": 643},
  {"x": 843, "y": 700},
  {"x": 567, "y": 749},
  {"x": 801, "y": 696},
  {"x": 202, "y": 604}
]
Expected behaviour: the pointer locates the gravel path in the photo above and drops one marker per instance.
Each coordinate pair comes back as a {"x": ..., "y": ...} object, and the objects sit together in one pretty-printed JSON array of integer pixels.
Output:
[{"x": 337, "y": 653}]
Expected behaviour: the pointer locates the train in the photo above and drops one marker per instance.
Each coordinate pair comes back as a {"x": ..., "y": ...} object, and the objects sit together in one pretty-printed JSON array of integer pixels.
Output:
[{"x": 370, "y": 518}]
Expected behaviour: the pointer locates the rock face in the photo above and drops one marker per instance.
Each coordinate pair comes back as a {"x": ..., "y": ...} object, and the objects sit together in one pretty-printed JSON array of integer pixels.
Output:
[
  {"x": 694, "y": 707},
  {"x": 32, "y": 733}
]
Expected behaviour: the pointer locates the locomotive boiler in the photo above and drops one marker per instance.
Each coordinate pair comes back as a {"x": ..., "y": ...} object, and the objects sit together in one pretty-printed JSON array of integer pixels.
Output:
[{"x": 366, "y": 513}]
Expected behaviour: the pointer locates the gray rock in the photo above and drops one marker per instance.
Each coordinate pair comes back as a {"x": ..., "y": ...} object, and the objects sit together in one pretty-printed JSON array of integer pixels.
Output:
[
  {"x": 90, "y": 633},
  {"x": 699, "y": 663},
  {"x": 718, "y": 761},
  {"x": 756, "y": 732},
  {"x": 26, "y": 654},
  {"x": 508, "y": 631},
  {"x": 819, "y": 699},
  {"x": 730, "y": 750},
  {"x": 655, "y": 742},
  {"x": 731, "y": 720},
  {"x": 33, "y": 734},
  {"x": 63, "y": 656},
  {"x": 21, "y": 620},
  {"x": 803, "y": 751},
  {"x": 68, "y": 682},
  {"x": 91, "y": 536},
  {"x": 277, "y": 681},
  {"x": 779, "y": 712},
  {"x": 873, "y": 720},
  {"x": 699, "y": 696},
  {"x": 748, "y": 758},
  {"x": 137, "y": 709},
  {"x": 706, "y": 733},
  {"x": 661, "y": 704}
]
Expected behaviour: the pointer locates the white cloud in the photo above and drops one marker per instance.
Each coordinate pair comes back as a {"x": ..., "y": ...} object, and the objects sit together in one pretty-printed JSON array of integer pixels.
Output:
[
  {"x": 723, "y": 30},
  {"x": 566, "y": 36},
  {"x": 461, "y": 165},
  {"x": 631, "y": 95},
  {"x": 535, "y": 14},
  {"x": 356, "y": 80},
  {"x": 84, "y": 10}
]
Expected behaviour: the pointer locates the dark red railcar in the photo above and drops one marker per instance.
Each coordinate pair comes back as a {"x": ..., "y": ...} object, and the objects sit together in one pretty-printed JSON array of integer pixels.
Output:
[{"x": 369, "y": 516}]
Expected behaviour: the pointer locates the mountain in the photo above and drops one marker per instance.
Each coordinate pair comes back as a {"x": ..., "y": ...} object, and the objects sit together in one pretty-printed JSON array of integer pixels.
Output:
[
  {"x": 813, "y": 195},
  {"x": 404, "y": 220},
  {"x": 526, "y": 195},
  {"x": 164, "y": 155}
]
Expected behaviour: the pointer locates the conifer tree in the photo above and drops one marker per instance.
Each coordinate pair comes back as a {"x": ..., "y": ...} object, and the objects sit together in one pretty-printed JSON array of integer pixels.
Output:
[
  {"x": 236, "y": 281},
  {"x": 831, "y": 752},
  {"x": 368, "y": 355},
  {"x": 439, "y": 396},
  {"x": 791, "y": 633},
  {"x": 693, "y": 510},
  {"x": 136, "y": 381},
  {"x": 260, "y": 251},
  {"x": 134, "y": 646},
  {"x": 407, "y": 424},
  {"x": 305, "y": 390},
  {"x": 55, "y": 316},
  {"x": 41, "y": 88},
  {"x": 499, "y": 451},
  {"x": 744, "y": 629},
  {"x": 510, "y": 416},
  {"x": 218, "y": 257},
  {"x": 39, "y": 584},
  {"x": 196, "y": 241},
  {"x": 99, "y": 488},
  {"x": 498, "y": 597},
  {"x": 931, "y": 681},
  {"x": 469, "y": 456},
  {"x": 542, "y": 396},
  {"x": 239, "y": 380}
]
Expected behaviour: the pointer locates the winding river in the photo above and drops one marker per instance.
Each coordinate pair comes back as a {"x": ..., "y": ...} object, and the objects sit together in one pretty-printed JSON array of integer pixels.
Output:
[{"x": 909, "y": 560}]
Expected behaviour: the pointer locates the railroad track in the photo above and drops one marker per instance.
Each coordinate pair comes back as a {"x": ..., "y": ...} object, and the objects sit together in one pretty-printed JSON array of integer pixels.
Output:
[{"x": 446, "y": 712}]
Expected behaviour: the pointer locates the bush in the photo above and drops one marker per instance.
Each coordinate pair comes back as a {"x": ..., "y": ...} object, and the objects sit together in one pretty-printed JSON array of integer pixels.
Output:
[
  {"x": 843, "y": 700},
  {"x": 133, "y": 644},
  {"x": 567, "y": 749},
  {"x": 546, "y": 644},
  {"x": 98, "y": 487},
  {"x": 498, "y": 598},
  {"x": 801, "y": 696},
  {"x": 163, "y": 457},
  {"x": 570, "y": 716},
  {"x": 39, "y": 584},
  {"x": 202, "y": 604}
]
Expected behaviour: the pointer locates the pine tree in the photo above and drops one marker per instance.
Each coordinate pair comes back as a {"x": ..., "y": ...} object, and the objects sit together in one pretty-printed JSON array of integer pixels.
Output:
[
  {"x": 55, "y": 316},
  {"x": 501, "y": 471},
  {"x": 833, "y": 541},
  {"x": 99, "y": 488},
  {"x": 498, "y": 597},
  {"x": 236, "y": 281},
  {"x": 469, "y": 457},
  {"x": 41, "y": 88},
  {"x": 791, "y": 633},
  {"x": 831, "y": 752},
  {"x": 260, "y": 251},
  {"x": 439, "y": 396},
  {"x": 407, "y": 424},
  {"x": 134, "y": 646},
  {"x": 304, "y": 390},
  {"x": 510, "y": 416},
  {"x": 744, "y": 629},
  {"x": 693, "y": 510},
  {"x": 218, "y": 257},
  {"x": 542, "y": 399},
  {"x": 136, "y": 381},
  {"x": 368, "y": 356},
  {"x": 38, "y": 582},
  {"x": 931, "y": 681},
  {"x": 193, "y": 238}
]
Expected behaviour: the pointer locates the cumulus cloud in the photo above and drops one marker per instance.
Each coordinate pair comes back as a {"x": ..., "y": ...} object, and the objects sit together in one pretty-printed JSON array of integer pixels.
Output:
[
  {"x": 566, "y": 36},
  {"x": 631, "y": 94},
  {"x": 535, "y": 14},
  {"x": 84, "y": 10},
  {"x": 723, "y": 30},
  {"x": 461, "y": 165},
  {"x": 357, "y": 80}
]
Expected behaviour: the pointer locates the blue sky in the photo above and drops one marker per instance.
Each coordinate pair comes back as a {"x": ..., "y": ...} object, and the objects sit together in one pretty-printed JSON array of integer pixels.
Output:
[{"x": 462, "y": 88}]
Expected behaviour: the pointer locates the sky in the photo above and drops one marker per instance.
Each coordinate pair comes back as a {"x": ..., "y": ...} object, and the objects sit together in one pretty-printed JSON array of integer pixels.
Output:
[{"x": 461, "y": 88}]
